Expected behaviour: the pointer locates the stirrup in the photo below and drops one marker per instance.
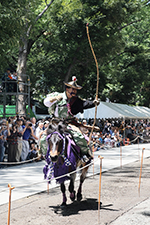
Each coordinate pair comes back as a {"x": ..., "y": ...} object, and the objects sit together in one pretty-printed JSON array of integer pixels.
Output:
[{"x": 85, "y": 159}]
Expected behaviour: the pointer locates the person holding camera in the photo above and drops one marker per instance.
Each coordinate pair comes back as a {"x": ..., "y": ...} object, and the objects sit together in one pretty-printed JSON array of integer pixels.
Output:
[
  {"x": 107, "y": 128},
  {"x": 25, "y": 142},
  {"x": 12, "y": 139}
]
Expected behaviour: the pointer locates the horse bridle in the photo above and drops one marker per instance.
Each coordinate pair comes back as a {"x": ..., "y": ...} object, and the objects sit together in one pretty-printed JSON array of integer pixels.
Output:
[{"x": 64, "y": 143}]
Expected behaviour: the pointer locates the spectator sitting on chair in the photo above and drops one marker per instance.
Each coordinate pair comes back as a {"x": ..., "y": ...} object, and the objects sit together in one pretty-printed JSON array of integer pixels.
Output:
[
  {"x": 100, "y": 138},
  {"x": 131, "y": 134},
  {"x": 33, "y": 152},
  {"x": 107, "y": 139}
]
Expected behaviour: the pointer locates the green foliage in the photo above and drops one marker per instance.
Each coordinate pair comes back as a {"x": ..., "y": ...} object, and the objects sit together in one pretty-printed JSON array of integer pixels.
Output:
[
  {"x": 58, "y": 46},
  {"x": 132, "y": 64},
  {"x": 15, "y": 18},
  {"x": 66, "y": 45}
]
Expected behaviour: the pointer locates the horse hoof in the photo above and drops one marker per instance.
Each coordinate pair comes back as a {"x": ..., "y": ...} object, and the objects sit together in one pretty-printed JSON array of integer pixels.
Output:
[
  {"x": 63, "y": 205},
  {"x": 73, "y": 196},
  {"x": 79, "y": 197}
]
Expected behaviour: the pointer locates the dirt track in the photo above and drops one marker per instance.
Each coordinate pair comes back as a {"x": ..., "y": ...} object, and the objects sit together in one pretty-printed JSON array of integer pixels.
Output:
[{"x": 119, "y": 194}]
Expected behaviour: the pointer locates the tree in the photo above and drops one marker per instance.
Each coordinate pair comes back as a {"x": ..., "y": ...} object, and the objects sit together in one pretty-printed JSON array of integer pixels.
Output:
[
  {"x": 27, "y": 39},
  {"x": 28, "y": 31},
  {"x": 66, "y": 46},
  {"x": 54, "y": 46},
  {"x": 130, "y": 69},
  {"x": 9, "y": 33}
]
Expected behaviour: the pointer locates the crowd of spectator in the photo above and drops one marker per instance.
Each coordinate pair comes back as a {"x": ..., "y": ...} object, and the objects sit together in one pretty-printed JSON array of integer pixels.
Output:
[
  {"x": 24, "y": 139},
  {"x": 116, "y": 133}
]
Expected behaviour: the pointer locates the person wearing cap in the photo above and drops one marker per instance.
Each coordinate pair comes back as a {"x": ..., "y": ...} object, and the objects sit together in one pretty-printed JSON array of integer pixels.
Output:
[
  {"x": 84, "y": 129},
  {"x": 66, "y": 105}
]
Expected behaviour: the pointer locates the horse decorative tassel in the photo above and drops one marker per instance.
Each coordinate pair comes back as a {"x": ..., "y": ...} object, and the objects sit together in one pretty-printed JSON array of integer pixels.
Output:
[{"x": 63, "y": 157}]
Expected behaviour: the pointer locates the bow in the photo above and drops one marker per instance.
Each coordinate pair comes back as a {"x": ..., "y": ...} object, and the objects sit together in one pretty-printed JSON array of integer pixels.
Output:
[{"x": 87, "y": 29}]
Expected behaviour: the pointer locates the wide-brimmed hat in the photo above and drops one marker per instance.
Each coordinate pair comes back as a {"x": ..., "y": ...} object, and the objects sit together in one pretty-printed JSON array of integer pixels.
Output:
[
  {"x": 73, "y": 83},
  {"x": 46, "y": 122}
]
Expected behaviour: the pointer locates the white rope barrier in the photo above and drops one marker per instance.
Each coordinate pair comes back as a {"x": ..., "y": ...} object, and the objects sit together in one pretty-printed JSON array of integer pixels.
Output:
[
  {"x": 34, "y": 159},
  {"x": 75, "y": 171},
  {"x": 31, "y": 160},
  {"x": 56, "y": 178},
  {"x": 21, "y": 162},
  {"x": 135, "y": 139},
  {"x": 110, "y": 146},
  {"x": 148, "y": 140}
]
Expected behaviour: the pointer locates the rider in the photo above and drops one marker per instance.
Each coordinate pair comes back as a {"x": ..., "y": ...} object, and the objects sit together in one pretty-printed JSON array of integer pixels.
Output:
[{"x": 67, "y": 104}]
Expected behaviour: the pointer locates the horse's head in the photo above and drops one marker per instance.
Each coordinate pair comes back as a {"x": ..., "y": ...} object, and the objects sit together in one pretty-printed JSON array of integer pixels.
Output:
[{"x": 55, "y": 140}]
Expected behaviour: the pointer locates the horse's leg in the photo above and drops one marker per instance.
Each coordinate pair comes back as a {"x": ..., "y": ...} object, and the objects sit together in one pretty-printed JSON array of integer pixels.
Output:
[
  {"x": 82, "y": 178},
  {"x": 63, "y": 190},
  {"x": 71, "y": 187}
]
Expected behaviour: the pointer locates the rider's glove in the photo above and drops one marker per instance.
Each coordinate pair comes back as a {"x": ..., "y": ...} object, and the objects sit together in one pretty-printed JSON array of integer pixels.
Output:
[{"x": 96, "y": 101}]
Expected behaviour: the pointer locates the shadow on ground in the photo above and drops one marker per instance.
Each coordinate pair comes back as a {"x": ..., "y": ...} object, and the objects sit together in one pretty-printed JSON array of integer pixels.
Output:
[{"x": 76, "y": 207}]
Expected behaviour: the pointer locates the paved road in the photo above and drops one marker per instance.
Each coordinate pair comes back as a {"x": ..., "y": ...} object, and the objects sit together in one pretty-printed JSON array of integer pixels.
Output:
[
  {"x": 138, "y": 215},
  {"x": 28, "y": 178}
]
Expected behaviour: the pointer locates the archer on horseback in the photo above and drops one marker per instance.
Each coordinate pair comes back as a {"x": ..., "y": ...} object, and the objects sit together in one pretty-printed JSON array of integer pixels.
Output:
[{"x": 65, "y": 106}]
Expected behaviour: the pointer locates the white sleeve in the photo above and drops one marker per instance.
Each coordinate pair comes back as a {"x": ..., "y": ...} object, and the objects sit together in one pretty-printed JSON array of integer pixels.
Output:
[{"x": 47, "y": 102}]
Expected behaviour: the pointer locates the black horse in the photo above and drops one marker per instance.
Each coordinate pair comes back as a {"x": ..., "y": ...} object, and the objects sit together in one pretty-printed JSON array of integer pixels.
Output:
[{"x": 63, "y": 157}]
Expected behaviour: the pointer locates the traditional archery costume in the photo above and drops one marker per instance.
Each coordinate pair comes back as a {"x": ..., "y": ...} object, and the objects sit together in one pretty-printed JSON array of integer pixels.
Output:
[{"x": 65, "y": 108}]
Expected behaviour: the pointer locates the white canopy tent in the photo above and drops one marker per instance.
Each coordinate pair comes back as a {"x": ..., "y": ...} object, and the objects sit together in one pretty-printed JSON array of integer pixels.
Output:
[{"x": 107, "y": 110}]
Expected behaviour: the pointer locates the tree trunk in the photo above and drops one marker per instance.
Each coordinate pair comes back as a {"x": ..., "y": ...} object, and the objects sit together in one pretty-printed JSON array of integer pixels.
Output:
[
  {"x": 24, "y": 49},
  {"x": 22, "y": 78}
]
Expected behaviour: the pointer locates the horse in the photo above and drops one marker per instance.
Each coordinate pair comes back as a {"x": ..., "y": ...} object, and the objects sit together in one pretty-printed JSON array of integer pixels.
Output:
[{"x": 63, "y": 157}]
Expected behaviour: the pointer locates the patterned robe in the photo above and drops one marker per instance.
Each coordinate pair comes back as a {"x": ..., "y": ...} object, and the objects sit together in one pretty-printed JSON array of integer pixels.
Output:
[{"x": 66, "y": 108}]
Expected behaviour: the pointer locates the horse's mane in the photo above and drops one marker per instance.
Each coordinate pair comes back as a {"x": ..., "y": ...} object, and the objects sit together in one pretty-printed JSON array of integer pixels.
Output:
[
  {"x": 56, "y": 125},
  {"x": 60, "y": 127}
]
